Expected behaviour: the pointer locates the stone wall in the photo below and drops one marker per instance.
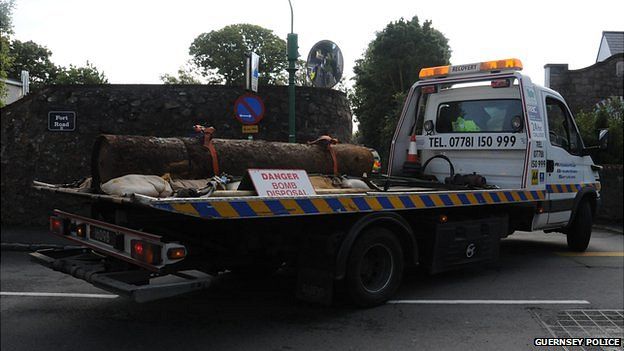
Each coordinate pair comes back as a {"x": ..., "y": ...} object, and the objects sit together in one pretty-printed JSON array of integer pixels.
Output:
[
  {"x": 611, "y": 182},
  {"x": 29, "y": 151},
  {"x": 585, "y": 87}
]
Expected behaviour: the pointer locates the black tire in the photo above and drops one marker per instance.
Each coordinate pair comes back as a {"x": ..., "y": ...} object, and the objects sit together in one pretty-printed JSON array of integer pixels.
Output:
[
  {"x": 580, "y": 230},
  {"x": 375, "y": 267}
]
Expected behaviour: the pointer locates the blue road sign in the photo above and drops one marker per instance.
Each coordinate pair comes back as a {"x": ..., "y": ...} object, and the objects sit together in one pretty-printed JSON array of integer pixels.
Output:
[{"x": 249, "y": 109}]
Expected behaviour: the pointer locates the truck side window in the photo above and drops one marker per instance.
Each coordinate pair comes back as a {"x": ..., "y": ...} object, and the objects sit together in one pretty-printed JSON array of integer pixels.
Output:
[{"x": 561, "y": 130}]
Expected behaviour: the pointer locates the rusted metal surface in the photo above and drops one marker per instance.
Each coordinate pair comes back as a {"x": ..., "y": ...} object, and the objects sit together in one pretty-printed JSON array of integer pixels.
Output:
[{"x": 187, "y": 158}]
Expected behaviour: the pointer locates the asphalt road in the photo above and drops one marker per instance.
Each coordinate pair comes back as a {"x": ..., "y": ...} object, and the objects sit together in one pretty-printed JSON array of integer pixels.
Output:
[{"x": 263, "y": 314}]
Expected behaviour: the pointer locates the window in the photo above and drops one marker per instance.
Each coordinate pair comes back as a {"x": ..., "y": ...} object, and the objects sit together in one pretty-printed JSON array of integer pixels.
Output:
[
  {"x": 561, "y": 130},
  {"x": 477, "y": 116}
]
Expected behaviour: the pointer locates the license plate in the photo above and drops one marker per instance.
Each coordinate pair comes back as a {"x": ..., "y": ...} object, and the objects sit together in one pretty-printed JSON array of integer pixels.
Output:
[{"x": 104, "y": 236}]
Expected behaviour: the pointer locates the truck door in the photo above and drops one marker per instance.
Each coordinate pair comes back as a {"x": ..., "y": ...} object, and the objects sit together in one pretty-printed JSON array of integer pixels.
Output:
[{"x": 564, "y": 161}]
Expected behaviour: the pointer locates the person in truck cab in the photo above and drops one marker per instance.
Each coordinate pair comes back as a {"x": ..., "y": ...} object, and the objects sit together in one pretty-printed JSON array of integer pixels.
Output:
[{"x": 465, "y": 125}]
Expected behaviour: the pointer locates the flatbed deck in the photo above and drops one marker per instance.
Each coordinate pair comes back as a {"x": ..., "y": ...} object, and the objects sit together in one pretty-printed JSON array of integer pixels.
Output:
[{"x": 242, "y": 204}]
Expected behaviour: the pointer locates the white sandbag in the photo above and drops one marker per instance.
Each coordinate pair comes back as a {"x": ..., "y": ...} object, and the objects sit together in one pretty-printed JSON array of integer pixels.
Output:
[
  {"x": 149, "y": 185},
  {"x": 188, "y": 183}
]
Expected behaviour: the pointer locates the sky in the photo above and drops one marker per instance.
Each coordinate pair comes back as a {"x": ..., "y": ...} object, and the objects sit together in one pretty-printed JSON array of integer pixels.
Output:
[{"x": 136, "y": 41}]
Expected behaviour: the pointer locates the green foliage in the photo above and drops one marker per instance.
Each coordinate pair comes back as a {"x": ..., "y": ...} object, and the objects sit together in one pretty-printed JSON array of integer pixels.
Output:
[
  {"x": 88, "y": 74},
  {"x": 186, "y": 75},
  {"x": 6, "y": 29},
  {"x": 608, "y": 115},
  {"x": 6, "y": 23},
  {"x": 220, "y": 54},
  {"x": 183, "y": 77},
  {"x": 389, "y": 67},
  {"x": 34, "y": 58},
  {"x": 5, "y": 61}
]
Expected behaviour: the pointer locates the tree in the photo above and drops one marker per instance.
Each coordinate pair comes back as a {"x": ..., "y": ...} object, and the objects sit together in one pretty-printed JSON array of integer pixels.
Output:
[
  {"x": 384, "y": 74},
  {"x": 607, "y": 115},
  {"x": 186, "y": 75},
  {"x": 6, "y": 29},
  {"x": 34, "y": 58},
  {"x": 221, "y": 54},
  {"x": 6, "y": 10},
  {"x": 88, "y": 74}
]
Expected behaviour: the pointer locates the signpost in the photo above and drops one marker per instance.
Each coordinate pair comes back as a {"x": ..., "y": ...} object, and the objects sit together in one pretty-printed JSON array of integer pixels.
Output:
[
  {"x": 281, "y": 182},
  {"x": 249, "y": 110},
  {"x": 61, "y": 121},
  {"x": 252, "y": 73}
]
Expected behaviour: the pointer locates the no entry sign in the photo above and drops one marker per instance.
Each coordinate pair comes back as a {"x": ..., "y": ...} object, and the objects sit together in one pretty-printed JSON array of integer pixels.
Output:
[{"x": 249, "y": 109}]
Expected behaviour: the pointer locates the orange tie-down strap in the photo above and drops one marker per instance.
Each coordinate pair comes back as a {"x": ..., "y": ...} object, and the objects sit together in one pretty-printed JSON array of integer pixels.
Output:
[
  {"x": 207, "y": 143},
  {"x": 328, "y": 141}
]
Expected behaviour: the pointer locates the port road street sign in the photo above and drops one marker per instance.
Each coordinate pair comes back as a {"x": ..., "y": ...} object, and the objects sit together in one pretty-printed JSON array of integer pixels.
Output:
[{"x": 61, "y": 121}]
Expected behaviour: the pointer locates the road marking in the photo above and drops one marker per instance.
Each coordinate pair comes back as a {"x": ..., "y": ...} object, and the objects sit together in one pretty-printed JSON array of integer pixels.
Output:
[
  {"x": 592, "y": 254},
  {"x": 50, "y": 294},
  {"x": 491, "y": 302}
]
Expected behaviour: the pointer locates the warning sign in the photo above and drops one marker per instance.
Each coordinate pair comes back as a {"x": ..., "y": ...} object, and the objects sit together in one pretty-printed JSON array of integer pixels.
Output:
[{"x": 281, "y": 182}]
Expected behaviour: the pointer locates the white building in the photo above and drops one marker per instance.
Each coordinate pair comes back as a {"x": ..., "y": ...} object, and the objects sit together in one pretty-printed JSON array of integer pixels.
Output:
[
  {"x": 612, "y": 43},
  {"x": 15, "y": 90}
]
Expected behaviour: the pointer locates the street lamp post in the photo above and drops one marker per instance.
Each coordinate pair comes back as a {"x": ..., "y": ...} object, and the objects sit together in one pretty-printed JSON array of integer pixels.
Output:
[{"x": 292, "y": 46}]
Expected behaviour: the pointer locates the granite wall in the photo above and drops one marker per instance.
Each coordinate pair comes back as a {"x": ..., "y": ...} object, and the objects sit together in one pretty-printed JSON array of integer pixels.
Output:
[
  {"x": 612, "y": 201},
  {"x": 584, "y": 88},
  {"x": 30, "y": 151}
]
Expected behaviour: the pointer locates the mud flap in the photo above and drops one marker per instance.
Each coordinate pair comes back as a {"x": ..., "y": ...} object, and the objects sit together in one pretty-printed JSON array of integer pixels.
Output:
[{"x": 317, "y": 268}]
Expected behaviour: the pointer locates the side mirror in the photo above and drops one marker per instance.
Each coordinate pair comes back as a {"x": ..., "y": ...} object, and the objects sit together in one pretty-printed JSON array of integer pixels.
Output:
[{"x": 603, "y": 139}]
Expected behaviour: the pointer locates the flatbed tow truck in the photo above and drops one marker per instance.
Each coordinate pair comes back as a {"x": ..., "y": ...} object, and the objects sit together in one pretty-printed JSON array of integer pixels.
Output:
[{"x": 500, "y": 154}]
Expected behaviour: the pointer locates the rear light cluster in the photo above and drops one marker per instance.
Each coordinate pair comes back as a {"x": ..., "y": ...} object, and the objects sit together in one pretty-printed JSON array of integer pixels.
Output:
[
  {"x": 64, "y": 226},
  {"x": 61, "y": 226},
  {"x": 146, "y": 252}
]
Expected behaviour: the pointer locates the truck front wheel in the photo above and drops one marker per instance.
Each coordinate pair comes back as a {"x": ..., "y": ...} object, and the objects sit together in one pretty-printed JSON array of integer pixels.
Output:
[
  {"x": 579, "y": 231},
  {"x": 375, "y": 267}
]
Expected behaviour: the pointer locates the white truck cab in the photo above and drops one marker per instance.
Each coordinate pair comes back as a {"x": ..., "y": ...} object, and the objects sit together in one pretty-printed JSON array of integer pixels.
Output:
[{"x": 487, "y": 119}]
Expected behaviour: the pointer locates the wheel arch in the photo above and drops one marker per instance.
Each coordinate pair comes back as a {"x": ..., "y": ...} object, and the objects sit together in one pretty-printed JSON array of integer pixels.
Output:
[
  {"x": 585, "y": 194},
  {"x": 390, "y": 220}
]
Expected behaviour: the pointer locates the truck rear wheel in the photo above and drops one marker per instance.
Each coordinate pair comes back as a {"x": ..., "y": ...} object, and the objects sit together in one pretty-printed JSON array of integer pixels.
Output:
[
  {"x": 579, "y": 231},
  {"x": 375, "y": 267}
]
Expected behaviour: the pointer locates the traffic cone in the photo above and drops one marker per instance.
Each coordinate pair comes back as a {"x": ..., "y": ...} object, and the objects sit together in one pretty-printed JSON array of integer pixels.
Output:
[{"x": 412, "y": 163}]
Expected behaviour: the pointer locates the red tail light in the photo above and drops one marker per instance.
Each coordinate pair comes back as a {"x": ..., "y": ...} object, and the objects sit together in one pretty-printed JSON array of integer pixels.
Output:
[
  {"x": 59, "y": 225},
  {"x": 56, "y": 225},
  {"x": 146, "y": 252},
  {"x": 138, "y": 248}
]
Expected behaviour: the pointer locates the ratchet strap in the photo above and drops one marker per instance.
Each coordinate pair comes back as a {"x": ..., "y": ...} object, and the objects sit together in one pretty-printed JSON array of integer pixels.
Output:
[
  {"x": 327, "y": 141},
  {"x": 207, "y": 143}
]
